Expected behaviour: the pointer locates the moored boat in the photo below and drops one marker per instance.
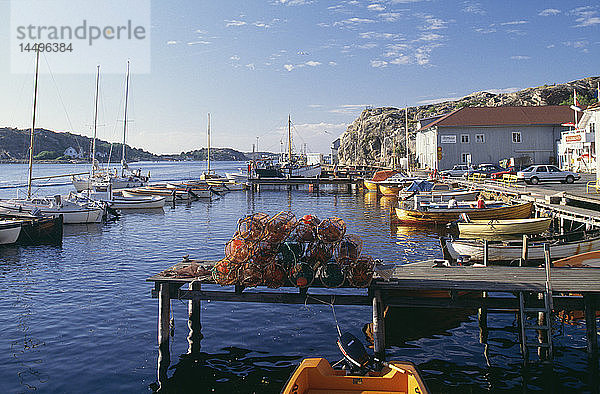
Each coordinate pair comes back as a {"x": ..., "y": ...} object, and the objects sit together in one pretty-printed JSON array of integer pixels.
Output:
[
  {"x": 315, "y": 375},
  {"x": 37, "y": 230},
  {"x": 512, "y": 250},
  {"x": 482, "y": 228},
  {"x": 440, "y": 216},
  {"x": 9, "y": 231},
  {"x": 56, "y": 206},
  {"x": 589, "y": 259}
]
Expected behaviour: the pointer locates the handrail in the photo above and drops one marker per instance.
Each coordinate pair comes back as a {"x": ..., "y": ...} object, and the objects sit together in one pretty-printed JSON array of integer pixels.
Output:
[{"x": 590, "y": 185}]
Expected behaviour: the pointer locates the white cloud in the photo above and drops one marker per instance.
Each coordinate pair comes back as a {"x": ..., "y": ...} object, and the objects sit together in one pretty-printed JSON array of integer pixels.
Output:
[
  {"x": 234, "y": 58},
  {"x": 430, "y": 37},
  {"x": 317, "y": 136},
  {"x": 586, "y": 16},
  {"x": 250, "y": 66},
  {"x": 353, "y": 22},
  {"x": 234, "y": 23},
  {"x": 288, "y": 67},
  {"x": 371, "y": 35},
  {"x": 349, "y": 109},
  {"x": 520, "y": 57},
  {"x": 261, "y": 24},
  {"x": 432, "y": 23},
  {"x": 292, "y": 2},
  {"x": 437, "y": 100},
  {"x": 550, "y": 46},
  {"x": 406, "y": 1},
  {"x": 312, "y": 63},
  {"x": 486, "y": 30},
  {"x": 549, "y": 12},
  {"x": 576, "y": 44},
  {"x": 378, "y": 63},
  {"x": 315, "y": 105},
  {"x": 376, "y": 7},
  {"x": 332, "y": 63},
  {"x": 501, "y": 90},
  {"x": 513, "y": 23},
  {"x": 369, "y": 45},
  {"x": 198, "y": 43},
  {"x": 171, "y": 42},
  {"x": 472, "y": 7},
  {"x": 202, "y": 32},
  {"x": 390, "y": 16}
]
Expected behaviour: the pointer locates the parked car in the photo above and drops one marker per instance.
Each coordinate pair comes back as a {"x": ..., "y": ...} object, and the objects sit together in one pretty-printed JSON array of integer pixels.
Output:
[
  {"x": 546, "y": 173},
  {"x": 457, "y": 170},
  {"x": 512, "y": 170},
  {"x": 486, "y": 168}
]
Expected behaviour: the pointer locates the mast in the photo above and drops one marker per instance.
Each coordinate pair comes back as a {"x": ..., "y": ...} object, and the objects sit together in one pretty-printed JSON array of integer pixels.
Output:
[
  {"x": 123, "y": 162},
  {"x": 35, "y": 90},
  {"x": 208, "y": 153},
  {"x": 406, "y": 138},
  {"x": 290, "y": 140},
  {"x": 95, "y": 122}
]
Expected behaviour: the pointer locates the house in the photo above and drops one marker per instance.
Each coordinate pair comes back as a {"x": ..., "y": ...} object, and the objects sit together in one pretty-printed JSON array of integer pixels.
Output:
[
  {"x": 577, "y": 147},
  {"x": 335, "y": 146},
  {"x": 475, "y": 135},
  {"x": 73, "y": 153}
]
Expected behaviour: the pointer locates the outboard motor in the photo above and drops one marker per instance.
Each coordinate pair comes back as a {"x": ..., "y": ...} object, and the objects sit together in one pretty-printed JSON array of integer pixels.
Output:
[{"x": 354, "y": 352}]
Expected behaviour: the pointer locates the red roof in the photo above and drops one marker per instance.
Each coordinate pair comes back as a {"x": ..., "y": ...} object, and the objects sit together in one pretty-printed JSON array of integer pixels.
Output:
[{"x": 506, "y": 116}]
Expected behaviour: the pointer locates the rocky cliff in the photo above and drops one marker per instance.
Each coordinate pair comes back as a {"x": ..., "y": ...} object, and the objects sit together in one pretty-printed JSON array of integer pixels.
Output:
[{"x": 378, "y": 135}]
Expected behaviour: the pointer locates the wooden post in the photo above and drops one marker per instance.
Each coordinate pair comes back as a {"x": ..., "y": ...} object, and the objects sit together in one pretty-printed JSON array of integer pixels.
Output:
[
  {"x": 486, "y": 251},
  {"x": 378, "y": 326},
  {"x": 482, "y": 319},
  {"x": 164, "y": 325},
  {"x": 523, "y": 261},
  {"x": 194, "y": 321},
  {"x": 590, "y": 325}
]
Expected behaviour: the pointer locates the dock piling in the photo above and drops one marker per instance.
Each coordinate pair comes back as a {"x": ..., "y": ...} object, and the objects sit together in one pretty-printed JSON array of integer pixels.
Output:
[
  {"x": 194, "y": 320},
  {"x": 590, "y": 303},
  {"x": 164, "y": 325},
  {"x": 378, "y": 326},
  {"x": 523, "y": 261}
]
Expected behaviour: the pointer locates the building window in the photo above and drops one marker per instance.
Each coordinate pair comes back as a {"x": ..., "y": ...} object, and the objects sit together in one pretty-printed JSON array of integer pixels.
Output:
[
  {"x": 516, "y": 137},
  {"x": 480, "y": 138},
  {"x": 464, "y": 138},
  {"x": 592, "y": 127},
  {"x": 465, "y": 158}
]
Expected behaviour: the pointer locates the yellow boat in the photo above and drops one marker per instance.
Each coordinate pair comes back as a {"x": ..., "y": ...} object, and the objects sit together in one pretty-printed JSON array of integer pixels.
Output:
[
  {"x": 370, "y": 185},
  {"x": 316, "y": 376},
  {"x": 391, "y": 189},
  {"x": 439, "y": 216},
  {"x": 485, "y": 228}
]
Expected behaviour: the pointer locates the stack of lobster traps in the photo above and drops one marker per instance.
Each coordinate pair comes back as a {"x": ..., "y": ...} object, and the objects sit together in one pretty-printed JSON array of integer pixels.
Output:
[{"x": 282, "y": 250}]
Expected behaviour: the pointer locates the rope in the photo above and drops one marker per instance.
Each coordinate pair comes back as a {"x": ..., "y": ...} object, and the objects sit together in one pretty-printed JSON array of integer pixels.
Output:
[{"x": 331, "y": 304}]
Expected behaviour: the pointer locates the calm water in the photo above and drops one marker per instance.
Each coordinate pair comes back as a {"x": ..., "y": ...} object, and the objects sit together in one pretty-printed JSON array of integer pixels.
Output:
[{"x": 80, "y": 317}]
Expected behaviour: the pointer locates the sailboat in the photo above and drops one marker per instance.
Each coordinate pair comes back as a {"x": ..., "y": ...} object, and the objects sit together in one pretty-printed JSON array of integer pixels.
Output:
[
  {"x": 127, "y": 178},
  {"x": 295, "y": 166},
  {"x": 72, "y": 212}
]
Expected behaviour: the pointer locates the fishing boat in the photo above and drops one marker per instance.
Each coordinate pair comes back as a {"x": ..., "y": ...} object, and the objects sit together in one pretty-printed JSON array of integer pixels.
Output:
[
  {"x": 501, "y": 227},
  {"x": 394, "y": 184},
  {"x": 293, "y": 167},
  {"x": 589, "y": 259},
  {"x": 316, "y": 375},
  {"x": 430, "y": 191},
  {"x": 55, "y": 206},
  {"x": 9, "y": 231},
  {"x": 37, "y": 230},
  {"x": 168, "y": 194},
  {"x": 441, "y": 216},
  {"x": 127, "y": 178},
  {"x": 372, "y": 184},
  {"x": 116, "y": 200},
  {"x": 560, "y": 248}
]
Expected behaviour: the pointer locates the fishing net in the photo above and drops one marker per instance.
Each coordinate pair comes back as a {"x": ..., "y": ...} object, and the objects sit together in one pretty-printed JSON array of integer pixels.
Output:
[
  {"x": 263, "y": 252},
  {"x": 280, "y": 226},
  {"x": 360, "y": 272},
  {"x": 274, "y": 275},
  {"x": 250, "y": 275},
  {"x": 305, "y": 232},
  {"x": 331, "y": 230},
  {"x": 289, "y": 254},
  {"x": 318, "y": 253},
  {"x": 302, "y": 275},
  {"x": 350, "y": 247},
  {"x": 238, "y": 250},
  {"x": 331, "y": 274},
  {"x": 225, "y": 272},
  {"x": 252, "y": 227}
]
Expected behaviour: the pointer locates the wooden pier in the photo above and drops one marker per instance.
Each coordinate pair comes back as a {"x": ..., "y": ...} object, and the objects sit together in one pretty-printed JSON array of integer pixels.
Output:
[
  {"x": 489, "y": 288},
  {"x": 313, "y": 183}
]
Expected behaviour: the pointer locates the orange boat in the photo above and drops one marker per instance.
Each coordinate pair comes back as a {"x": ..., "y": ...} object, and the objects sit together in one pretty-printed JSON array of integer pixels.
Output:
[
  {"x": 315, "y": 375},
  {"x": 441, "y": 216},
  {"x": 373, "y": 183}
]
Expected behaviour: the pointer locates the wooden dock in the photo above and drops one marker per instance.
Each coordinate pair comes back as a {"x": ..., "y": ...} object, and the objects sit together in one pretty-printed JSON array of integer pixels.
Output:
[{"x": 489, "y": 289}]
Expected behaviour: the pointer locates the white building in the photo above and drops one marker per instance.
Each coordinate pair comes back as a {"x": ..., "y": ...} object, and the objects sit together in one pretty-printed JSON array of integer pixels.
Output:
[
  {"x": 577, "y": 147},
  {"x": 73, "y": 153}
]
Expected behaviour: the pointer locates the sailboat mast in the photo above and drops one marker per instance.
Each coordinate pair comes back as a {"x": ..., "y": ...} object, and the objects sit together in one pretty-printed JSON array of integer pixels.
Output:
[
  {"x": 406, "y": 138},
  {"x": 290, "y": 139},
  {"x": 35, "y": 90},
  {"x": 123, "y": 162},
  {"x": 208, "y": 151},
  {"x": 95, "y": 121}
]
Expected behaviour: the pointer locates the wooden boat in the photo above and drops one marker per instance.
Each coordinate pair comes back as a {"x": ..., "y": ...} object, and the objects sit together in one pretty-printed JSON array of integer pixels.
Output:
[
  {"x": 440, "y": 196},
  {"x": 373, "y": 183},
  {"x": 394, "y": 184},
  {"x": 438, "y": 216},
  {"x": 589, "y": 259},
  {"x": 497, "y": 227},
  {"x": 315, "y": 375},
  {"x": 511, "y": 250},
  {"x": 38, "y": 230},
  {"x": 9, "y": 231}
]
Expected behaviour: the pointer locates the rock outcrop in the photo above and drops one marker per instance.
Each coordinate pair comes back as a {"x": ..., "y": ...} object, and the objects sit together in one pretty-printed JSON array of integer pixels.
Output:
[{"x": 378, "y": 134}]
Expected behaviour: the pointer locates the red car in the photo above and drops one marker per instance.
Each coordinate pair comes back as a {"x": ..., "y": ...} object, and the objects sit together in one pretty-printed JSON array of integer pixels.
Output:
[{"x": 512, "y": 170}]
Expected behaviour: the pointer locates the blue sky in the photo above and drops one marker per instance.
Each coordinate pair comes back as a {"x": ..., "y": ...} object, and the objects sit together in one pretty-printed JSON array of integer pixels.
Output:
[{"x": 250, "y": 63}]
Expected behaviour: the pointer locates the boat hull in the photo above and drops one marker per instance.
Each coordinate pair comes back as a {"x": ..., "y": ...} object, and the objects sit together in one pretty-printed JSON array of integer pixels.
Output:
[
  {"x": 444, "y": 216},
  {"x": 138, "y": 203},
  {"x": 9, "y": 231},
  {"x": 69, "y": 215},
  {"x": 511, "y": 252},
  {"x": 589, "y": 259},
  {"x": 390, "y": 190},
  {"x": 316, "y": 375},
  {"x": 443, "y": 196},
  {"x": 494, "y": 228},
  {"x": 370, "y": 185}
]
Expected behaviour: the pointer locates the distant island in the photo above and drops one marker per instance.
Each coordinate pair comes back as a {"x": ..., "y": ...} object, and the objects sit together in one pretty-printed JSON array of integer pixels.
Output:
[{"x": 51, "y": 146}]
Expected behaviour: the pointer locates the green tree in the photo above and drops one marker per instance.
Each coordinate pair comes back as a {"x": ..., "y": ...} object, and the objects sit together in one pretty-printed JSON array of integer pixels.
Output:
[
  {"x": 47, "y": 155},
  {"x": 582, "y": 99}
]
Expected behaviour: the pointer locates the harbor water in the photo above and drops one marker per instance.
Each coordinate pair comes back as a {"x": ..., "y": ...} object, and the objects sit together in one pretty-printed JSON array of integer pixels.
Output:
[{"x": 80, "y": 317}]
